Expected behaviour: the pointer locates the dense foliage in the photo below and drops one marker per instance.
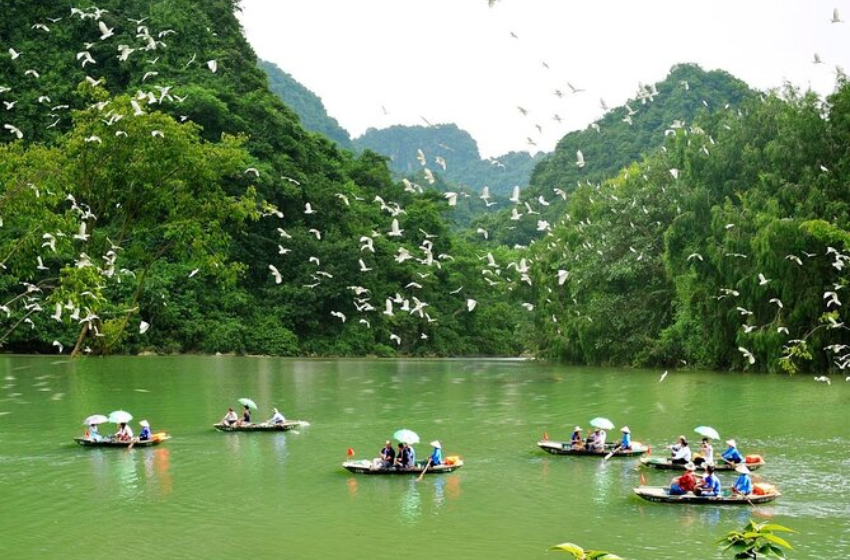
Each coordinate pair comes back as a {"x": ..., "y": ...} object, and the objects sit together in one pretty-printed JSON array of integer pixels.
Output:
[{"x": 156, "y": 195}]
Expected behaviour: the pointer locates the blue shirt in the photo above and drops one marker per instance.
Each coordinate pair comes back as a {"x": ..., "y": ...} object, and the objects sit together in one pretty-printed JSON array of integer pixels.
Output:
[
  {"x": 626, "y": 442},
  {"x": 711, "y": 485},
  {"x": 743, "y": 485},
  {"x": 733, "y": 455},
  {"x": 145, "y": 433},
  {"x": 437, "y": 457}
]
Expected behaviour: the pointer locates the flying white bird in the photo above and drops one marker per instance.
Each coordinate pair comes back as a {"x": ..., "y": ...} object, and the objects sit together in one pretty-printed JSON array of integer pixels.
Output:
[
  {"x": 338, "y": 314},
  {"x": 562, "y": 276},
  {"x": 81, "y": 234},
  {"x": 143, "y": 327},
  {"x": 835, "y": 17},
  {"x": 579, "y": 159},
  {"x": 14, "y": 130},
  {"x": 762, "y": 279},
  {"x": 213, "y": 66},
  {"x": 308, "y": 209},
  {"x": 451, "y": 197},
  {"x": 105, "y": 32},
  {"x": 663, "y": 376},
  {"x": 694, "y": 256},
  {"x": 394, "y": 229},
  {"x": 363, "y": 267},
  {"x": 278, "y": 277},
  {"x": 58, "y": 345},
  {"x": 823, "y": 379},
  {"x": 396, "y": 338},
  {"x": 747, "y": 354},
  {"x": 470, "y": 304}
]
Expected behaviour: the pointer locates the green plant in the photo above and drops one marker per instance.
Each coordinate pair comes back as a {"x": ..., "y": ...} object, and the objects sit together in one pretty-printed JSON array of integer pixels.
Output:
[
  {"x": 757, "y": 540},
  {"x": 582, "y": 554}
]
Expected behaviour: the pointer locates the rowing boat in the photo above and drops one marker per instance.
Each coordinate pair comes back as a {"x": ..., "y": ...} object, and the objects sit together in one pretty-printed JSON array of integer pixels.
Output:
[
  {"x": 566, "y": 448},
  {"x": 662, "y": 494},
  {"x": 156, "y": 439},
  {"x": 262, "y": 427},
  {"x": 365, "y": 466},
  {"x": 666, "y": 463}
]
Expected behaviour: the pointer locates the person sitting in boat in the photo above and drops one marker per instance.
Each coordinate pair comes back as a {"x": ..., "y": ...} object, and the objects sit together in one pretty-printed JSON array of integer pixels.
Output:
[
  {"x": 732, "y": 455},
  {"x": 710, "y": 483},
  {"x": 681, "y": 453},
  {"x": 124, "y": 433},
  {"x": 596, "y": 441},
  {"x": 686, "y": 483},
  {"x": 436, "y": 457},
  {"x": 411, "y": 454},
  {"x": 402, "y": 458},
  {"x": 706, "y": 453},
  {"x": 577, "y": 440},
  {"x": 246, "y": 416},
  {"x": 743, "y": 485},
  {"x": 387, "y": 455},
  {"x": 626, "y": 441},
  {"x": 145, "y": 434},
  {"x": 230, "y": 418},
  {"x": 277, "y": 417},
  {"x": 93, "y": 434}
]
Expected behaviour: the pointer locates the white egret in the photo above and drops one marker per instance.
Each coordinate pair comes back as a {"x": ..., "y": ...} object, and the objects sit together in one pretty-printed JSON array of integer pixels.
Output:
[{"x": 278, "y": 278}]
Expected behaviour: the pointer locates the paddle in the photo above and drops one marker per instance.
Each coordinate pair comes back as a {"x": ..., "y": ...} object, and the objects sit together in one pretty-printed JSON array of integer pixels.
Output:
[
  {"x": 132, "y": 443},
  {"x": 428, "y": 464},
  {"x": 612, "y": 453}
]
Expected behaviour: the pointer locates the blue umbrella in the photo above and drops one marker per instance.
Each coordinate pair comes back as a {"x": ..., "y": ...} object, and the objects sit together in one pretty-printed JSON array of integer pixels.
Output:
[{"x": 406, "y": 436}]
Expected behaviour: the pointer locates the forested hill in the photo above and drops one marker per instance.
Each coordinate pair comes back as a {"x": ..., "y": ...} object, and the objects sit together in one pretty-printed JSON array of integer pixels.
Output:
[
  {"x": 156, "y": 195},
  {"x": 306, "y": 104},
  {"x": 624, "y": 135},
  {"x": 451, "y": 152}
]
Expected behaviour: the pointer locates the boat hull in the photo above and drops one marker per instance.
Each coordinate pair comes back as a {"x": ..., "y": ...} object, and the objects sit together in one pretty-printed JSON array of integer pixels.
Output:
[
  {"x": 258, "y": 427},
  {"x": 565, "y": 448},
  {"x": 664, "y": 463},
  {"x": 659, "y": 494},
  {"x": 156, "y": 440},
  {"x": 367, "y": 467}
]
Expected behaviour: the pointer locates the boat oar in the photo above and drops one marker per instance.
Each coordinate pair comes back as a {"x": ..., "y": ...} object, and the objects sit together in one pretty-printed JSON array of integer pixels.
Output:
[
  {"x": 612, "y": 453},
  {"x": 132, "y": 443},
  {"x": 428, "y": 464}
]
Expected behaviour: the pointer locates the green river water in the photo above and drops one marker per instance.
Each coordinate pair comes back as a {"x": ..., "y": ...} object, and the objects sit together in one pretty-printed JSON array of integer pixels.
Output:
[{"x": 205, "y": 494}]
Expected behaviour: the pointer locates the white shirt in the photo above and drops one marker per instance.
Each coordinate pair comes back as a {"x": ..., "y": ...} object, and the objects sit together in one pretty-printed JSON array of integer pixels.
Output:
[
  {"x": 683, "y": 452},
  {"x": 277, "y": 418}
]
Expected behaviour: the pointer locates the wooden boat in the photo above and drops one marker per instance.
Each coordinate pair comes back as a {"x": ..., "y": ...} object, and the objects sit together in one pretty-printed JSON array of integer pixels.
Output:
[
  {"x": 156, "y": 439},
  {"x": 661, "y": 494},
  {"x": 566, "y": 448},
  {"x": 262, "y": 427},
  {"x": 666, "y": 464},
  {"x": 365, "y": 466}
]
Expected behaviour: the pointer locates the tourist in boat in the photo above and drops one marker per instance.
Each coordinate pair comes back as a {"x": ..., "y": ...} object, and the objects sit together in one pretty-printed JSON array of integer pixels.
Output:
[
  {"x": 387, "y": 455},
  {"x": 436, "y": 457},
  {"x": 94, "y": 434},
  {"x": 277, "y": 417},
  {"x": 124, "y": 433},
  {"x": 626, "y": 441},
  {"x": 710, "y": 483},
  {"x": 402, "y": 458},
  {"x": 577, "y": 439},
  {"x": 411, "y": 454},
  {"x": 145, "y": 434},
  {"x": 743, "y": 485},
  {"x": 246, "y": 416},
  {"x": 706, "y": 453},
  {"x": 686, "y": 483},
  {"x": 596, "y": 441},
  {"x": 230, "y": 418},
  {"x": 732, "y": 455},
  {"x": 680, "y": 452}
]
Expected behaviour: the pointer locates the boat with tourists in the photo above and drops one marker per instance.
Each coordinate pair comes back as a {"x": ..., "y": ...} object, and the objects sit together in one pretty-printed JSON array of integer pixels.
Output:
[
  {"x": 260, "y": 427},
  {"x": 763, "y": 493},
  {"x": 753, "y": 462},
  {"x": 155, "y": 439},
  {"x": 613, "y": 449},
  {"x": 365, "y": 466}
]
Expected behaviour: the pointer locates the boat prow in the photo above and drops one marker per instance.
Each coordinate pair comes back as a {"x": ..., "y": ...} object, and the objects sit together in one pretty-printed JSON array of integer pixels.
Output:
[
  {"x": 661, "y": 494},
  {"x": 156, "y": 439}
]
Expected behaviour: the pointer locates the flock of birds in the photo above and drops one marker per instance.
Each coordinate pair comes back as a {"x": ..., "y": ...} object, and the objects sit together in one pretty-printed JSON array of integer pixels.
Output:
[{"x": 415, "y": 246}]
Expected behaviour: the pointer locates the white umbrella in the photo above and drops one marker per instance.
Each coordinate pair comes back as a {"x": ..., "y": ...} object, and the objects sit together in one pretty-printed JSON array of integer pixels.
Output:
[
  {"x": 707, "y": 431},
  {"x": 602, "y": 423},
  {"x": 406, "y": 436},
  {"x": 95, "y": 419},
  {"x": 119, "y": 417}
]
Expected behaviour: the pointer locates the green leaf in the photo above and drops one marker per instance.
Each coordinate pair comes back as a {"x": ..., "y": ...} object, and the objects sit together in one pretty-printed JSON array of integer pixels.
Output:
[
  {"x": 777, "y": 540},
  {"x": 575, "y": 549}
]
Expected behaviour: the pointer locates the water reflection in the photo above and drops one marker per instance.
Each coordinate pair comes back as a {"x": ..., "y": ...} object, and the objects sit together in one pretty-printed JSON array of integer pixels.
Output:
[{"x": 411, "y": 502}]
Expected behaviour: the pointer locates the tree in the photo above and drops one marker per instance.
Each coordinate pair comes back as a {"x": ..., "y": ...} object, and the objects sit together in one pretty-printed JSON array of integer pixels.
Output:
[
  {"x": 757, "y": 540},
  {"x": 581, "y": 554}
]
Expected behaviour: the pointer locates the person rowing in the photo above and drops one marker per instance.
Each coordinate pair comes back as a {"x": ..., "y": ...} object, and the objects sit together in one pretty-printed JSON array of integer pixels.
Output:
[
  {"x": 743, "y": 485},
  {"x": 277, "y": 417},
  {"x": 626, "y": 440},
  {"x": 732, "y": 455},
  {"x": 145, "y": 434},
  {"x": 577, "y": 441}
]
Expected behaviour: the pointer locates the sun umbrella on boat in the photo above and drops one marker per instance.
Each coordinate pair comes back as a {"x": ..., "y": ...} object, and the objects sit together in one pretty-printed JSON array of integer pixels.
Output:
[
  {"x": 406, "y": 436},
  {"x": 602, "y": 423},
  {"x": 249, "y": 403},
  {"x": 95, "y": 419},
  {"x": 119, "y": 417},
  {"x": 707, "y": 431}
]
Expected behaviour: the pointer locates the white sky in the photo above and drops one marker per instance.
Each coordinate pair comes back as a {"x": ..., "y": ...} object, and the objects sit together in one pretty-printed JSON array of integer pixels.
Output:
[{"x": 454, "y": 61}]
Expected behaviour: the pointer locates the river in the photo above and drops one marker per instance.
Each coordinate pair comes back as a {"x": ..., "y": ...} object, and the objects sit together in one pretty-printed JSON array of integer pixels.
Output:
[{"x": 205, "y": 494}]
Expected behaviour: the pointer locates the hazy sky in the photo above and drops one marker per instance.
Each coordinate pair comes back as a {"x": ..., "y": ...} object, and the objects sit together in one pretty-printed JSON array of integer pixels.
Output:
[{"x": 456, "y": 61}]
